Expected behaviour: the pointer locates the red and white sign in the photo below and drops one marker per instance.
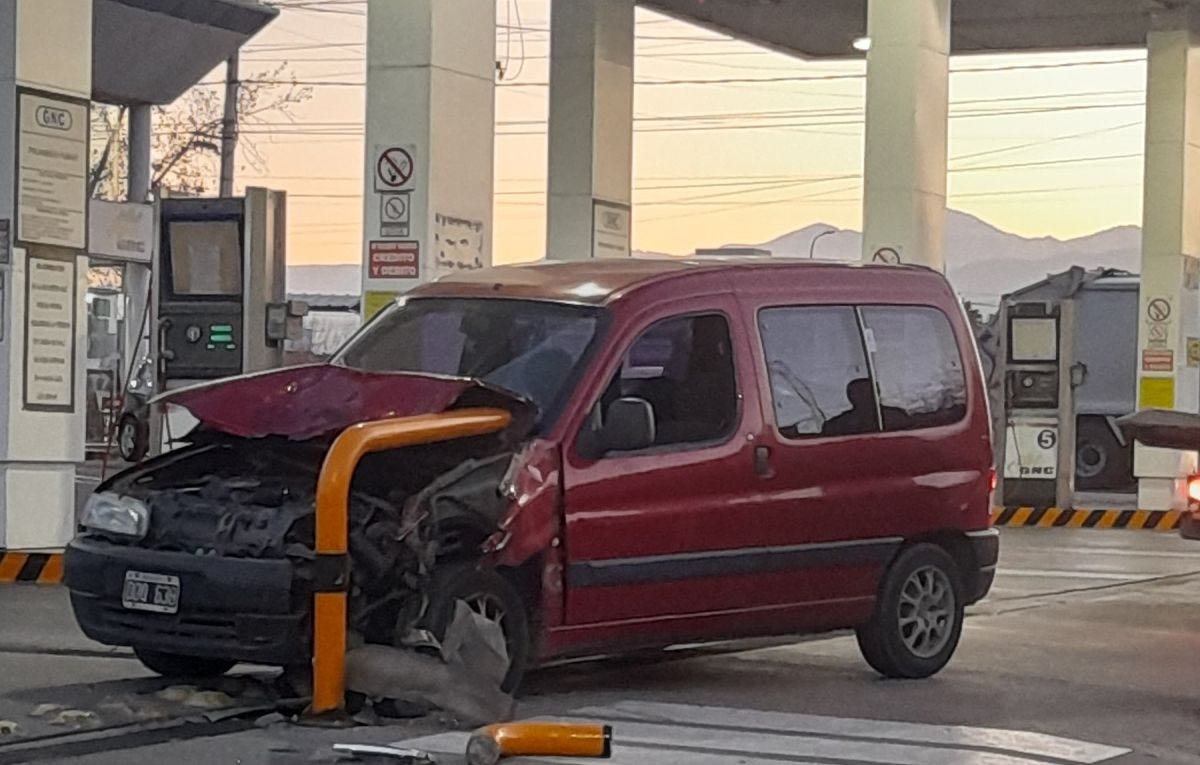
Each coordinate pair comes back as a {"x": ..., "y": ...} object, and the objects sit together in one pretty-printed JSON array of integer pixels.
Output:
[
  {"x": 394, "y": 260},
  {"x": 394, "y": 169},
  {"x": 1158, "y": 361}
]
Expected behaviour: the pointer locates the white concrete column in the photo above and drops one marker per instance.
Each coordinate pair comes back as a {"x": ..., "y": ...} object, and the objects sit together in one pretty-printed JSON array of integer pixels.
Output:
[
  {"x": 44, "y": 102},
  {"x": 907, "y": 108},
  {"x": 1169, "y": 305},
  {"x": 429, "y": 144},
  {"x": 591, "y": 129}
]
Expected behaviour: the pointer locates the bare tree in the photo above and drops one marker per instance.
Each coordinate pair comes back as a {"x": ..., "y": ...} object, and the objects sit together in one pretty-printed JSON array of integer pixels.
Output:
[{"x": 187, "y": 134}]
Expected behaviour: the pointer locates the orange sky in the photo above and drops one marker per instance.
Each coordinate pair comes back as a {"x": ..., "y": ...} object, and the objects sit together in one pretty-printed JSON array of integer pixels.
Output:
[{"x": 1040, "y": 145}]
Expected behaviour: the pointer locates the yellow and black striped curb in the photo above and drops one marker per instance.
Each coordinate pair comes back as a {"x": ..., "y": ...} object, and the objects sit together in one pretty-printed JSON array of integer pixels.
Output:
[
  {"x": 30, "y": 568},
  {"x": 1056, "y": 517}
]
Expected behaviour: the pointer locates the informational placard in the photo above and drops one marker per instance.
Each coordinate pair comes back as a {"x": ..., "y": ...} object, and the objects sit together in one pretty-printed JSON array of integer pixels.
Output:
[
  {"x": 395, "y": 211},
  {"x": 5, "y": 241},
  {"x": 49, "y": 379},
  {"x": 1156, "y": 393},
  {"x": 1031, "y": 450},
  {"x": 52, "y": 170},
  {"x": 123, "y": 230},
  {"x": 374, "y": 302},
  {"x": 610, "y": 230},
  {"x": 1154, "y": 360},
  {"x": 394, "y": 260}
]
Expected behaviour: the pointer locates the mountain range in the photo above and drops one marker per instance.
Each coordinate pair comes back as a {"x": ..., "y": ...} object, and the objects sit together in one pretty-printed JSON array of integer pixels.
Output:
[{"x": 982, "y": 261}]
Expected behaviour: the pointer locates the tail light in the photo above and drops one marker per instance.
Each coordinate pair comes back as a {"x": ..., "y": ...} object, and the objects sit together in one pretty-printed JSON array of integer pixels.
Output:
[
  {"x": 994, "y": 481},
  {"x": 1193, "y": 493}
]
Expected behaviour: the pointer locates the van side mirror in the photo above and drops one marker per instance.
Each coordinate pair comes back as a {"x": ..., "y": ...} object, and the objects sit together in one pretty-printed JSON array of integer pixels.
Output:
[{"x": 628, "y": 426}]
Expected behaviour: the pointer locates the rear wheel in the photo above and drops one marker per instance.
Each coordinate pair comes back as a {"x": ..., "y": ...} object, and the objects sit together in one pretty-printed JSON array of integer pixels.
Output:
[
  {"x": 491, "y": 596},
  {"x": 176, "y": 665},
  {"x": 918, "y": 615},
  {"x": 132, "y": 439}
]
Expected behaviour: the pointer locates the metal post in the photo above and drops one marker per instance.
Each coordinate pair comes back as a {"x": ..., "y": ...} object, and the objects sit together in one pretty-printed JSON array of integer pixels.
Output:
[
  {"x": 812, "y": 245},
  {"x": 229, "y": 126},
  {"x": 332, "y": 528},
  {"x": 1064, "y": 492},
  {"x": 140, "y": 131}
]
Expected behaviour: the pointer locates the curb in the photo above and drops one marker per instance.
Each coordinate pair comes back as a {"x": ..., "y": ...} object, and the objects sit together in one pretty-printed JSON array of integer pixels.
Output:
[
  {"x": 30, "y": 568},
  {"x": 1055, "y": 517}
]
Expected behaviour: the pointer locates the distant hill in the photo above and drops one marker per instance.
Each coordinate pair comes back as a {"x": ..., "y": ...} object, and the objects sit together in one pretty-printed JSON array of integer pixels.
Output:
[{"x": 983, "y": 262}]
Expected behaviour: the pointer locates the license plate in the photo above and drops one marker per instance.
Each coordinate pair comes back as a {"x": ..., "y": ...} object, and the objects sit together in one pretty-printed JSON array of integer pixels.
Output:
[{"x": 151, "y": 592}]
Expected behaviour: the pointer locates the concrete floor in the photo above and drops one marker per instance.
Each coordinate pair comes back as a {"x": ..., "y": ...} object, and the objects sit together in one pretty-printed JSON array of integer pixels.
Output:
[{"x": 1090, "y": 640}]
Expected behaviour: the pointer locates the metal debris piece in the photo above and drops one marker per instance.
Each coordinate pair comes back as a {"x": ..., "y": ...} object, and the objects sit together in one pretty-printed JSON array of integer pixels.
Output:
[
  {"x": 404, "y": 756},
  {"x": 9, "y": 728}
]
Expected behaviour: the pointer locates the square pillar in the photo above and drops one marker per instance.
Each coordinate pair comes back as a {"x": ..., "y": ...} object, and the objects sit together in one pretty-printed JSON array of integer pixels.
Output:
[
  {"x": 431, "y": 107},
  {"x": 591, "y": 129},
  {"x": 1169, "y": 306},
  {"x": 45, "y": 93},
  {"x": 907, "y": 111}
]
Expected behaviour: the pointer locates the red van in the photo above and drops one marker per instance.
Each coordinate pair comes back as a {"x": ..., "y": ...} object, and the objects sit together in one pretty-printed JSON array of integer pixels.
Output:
[{"x": 699, "y": 451}]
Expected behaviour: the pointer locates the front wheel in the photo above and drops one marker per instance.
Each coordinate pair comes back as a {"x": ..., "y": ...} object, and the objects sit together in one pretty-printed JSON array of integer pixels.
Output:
[
  {"x": 489, "y": 595},
  {"x": 176, "y": 665},
  {"x": 918, "y": 615}
]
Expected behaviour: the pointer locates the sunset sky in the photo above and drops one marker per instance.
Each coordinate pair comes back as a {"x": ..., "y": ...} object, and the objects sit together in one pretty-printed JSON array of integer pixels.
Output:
[{"x": 1039, "y": 145}]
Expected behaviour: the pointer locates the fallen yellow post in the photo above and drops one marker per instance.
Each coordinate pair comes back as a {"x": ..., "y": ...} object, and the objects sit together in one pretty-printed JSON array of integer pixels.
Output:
[
  {"x": 332, "y": 528},
  {"x": 487, "y": 746}
]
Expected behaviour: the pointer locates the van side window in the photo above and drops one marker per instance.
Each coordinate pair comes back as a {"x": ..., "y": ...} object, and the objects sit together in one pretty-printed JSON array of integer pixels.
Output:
[
  {"x": 820, "y": 380},
  {"x": 683, "y": 368},
  {"x": 918, "y": 367}
]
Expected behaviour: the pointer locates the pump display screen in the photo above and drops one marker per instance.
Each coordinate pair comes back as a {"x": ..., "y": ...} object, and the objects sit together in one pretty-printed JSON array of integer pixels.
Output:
[
  {"x": 1034, "y": 340},
  {"x": 206, "y": 258}
]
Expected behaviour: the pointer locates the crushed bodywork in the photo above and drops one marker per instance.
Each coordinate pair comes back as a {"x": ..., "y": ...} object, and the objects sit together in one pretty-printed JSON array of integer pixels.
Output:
[{"x": 244, "y": 486}]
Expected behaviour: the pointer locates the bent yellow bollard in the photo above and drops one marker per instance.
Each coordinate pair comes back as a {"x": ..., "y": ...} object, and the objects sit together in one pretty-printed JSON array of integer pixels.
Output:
[
  {"x": 332, "y": 527},
  {"x": 487, "y": 746}
]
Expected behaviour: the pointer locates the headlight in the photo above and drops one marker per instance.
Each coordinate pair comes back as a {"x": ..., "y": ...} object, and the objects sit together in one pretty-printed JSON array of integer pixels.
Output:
[{"x": 114, "y": 514}]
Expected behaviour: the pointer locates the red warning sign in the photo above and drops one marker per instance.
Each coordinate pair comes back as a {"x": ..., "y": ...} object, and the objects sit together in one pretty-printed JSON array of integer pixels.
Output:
[
  {"x": 1158, "y": 361},
  {"x": 394, "y": 260}
]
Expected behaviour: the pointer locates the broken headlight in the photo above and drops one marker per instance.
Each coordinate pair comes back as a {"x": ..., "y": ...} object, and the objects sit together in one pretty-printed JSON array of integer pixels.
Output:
[{"x": 114, "y": 514}]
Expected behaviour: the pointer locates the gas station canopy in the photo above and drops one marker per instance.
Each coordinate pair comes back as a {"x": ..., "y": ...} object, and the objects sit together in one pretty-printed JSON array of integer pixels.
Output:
[
  {"x": 828, "y": 28},
  {"x": 151, "y": 51}
]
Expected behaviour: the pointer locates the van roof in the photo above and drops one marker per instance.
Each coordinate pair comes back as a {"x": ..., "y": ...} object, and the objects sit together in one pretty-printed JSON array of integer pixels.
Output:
[{"x": 602, "y": 280}]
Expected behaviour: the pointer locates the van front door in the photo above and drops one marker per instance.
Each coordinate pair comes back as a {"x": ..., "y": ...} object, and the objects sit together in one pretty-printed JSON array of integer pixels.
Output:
[{"x": 658, "y": 516}]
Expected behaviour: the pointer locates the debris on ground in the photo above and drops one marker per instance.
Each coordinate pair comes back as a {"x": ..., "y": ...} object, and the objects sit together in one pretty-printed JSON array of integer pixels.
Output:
[
  {"x": 463, "y": 680},
  {"x": 77, "y": 717},
  {"x": 392, "y": 753},
  {"x": 45, "y": 710},
  {"x": 208, "y": 700},
  {"x": 9, "y": 728},
  {"x": 490, "y": 745}
]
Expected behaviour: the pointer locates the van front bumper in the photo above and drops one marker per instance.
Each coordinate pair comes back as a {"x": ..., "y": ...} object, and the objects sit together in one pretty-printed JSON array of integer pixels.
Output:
[{"x": 229, "y": 608}]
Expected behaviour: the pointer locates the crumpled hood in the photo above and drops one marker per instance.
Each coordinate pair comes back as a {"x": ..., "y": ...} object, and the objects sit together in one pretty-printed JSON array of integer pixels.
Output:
[{"x": 306, "y": 402}]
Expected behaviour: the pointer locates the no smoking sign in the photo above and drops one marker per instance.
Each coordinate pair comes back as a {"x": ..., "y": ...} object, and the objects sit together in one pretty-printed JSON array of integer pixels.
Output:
[
  {"x": 394, "y": 169},
  {"x": 394, "y": 214}
]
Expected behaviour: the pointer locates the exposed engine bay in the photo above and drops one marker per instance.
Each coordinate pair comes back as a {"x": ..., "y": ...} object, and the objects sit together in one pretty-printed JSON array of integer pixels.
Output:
[{"x": 255, "y": 498}]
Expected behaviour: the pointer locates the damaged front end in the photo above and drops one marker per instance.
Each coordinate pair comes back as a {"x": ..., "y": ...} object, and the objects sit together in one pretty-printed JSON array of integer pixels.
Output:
[{"x": 225, "y": 564}]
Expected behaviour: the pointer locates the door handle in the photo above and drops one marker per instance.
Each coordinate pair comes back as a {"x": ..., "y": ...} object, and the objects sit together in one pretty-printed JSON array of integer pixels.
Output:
[{"x": 762, "y": 462}]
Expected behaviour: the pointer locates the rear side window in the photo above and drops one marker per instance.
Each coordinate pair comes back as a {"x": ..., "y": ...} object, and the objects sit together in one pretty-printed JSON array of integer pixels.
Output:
[
  {"x": 918, "y": 368},
  {"x": 820, "y": 379}
]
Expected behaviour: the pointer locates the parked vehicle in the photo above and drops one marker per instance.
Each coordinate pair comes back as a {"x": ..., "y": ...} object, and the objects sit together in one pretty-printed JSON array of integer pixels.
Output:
[
  {"x": 1167, "y": 429},
  {"x": 133, "y": 427},
  {"x": 699, "y": 451}
]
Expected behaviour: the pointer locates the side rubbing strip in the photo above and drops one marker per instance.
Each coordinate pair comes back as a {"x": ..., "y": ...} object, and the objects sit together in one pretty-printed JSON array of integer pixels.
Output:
[{"x": 751, "y": 560}]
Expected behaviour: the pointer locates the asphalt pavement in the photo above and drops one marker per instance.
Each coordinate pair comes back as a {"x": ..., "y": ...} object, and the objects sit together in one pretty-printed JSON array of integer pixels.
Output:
[{"x": 1085, "y": 652}]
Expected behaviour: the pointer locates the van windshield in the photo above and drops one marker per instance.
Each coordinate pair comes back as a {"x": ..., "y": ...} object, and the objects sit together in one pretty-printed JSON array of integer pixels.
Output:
[{"x": 532, "y": 348}]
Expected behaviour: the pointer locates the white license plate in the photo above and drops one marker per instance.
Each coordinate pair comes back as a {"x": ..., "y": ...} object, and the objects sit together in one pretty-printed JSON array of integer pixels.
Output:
[{"x": 151, "y": 592}]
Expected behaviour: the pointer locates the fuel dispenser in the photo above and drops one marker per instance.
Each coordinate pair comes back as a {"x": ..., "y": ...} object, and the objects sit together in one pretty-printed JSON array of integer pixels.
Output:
[
  {"x": 220, "y": 305},
  {"x": 1063, "y": 374}
]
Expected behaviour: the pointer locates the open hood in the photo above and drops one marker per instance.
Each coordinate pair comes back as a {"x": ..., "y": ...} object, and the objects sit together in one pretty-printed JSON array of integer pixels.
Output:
[
  {"x": 1164, "y": 429},
  {"x": 306, "y": 402}
]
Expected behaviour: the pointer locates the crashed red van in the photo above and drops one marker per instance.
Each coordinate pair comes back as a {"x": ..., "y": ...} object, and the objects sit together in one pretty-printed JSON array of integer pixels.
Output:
[{"x": 698, "y": 451}]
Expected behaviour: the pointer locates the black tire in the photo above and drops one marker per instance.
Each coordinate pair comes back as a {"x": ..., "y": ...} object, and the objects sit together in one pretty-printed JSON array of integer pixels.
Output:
[
  {"x": 452, "y": 582},
  {"x": 1189, "y": 527},
  {"x": 886, "y": 644},
  {"x": 133, "y": 438},
  {"x": 175, "y": 665}
]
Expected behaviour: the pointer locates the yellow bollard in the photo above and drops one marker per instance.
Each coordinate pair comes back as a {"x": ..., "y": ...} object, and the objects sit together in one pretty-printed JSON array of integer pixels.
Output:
[
  {"x": 332, "y": 528},
  {"x": 487, "y": 746}
]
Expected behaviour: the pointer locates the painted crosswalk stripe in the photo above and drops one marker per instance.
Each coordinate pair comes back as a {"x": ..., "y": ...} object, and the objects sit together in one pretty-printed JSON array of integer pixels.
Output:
[{"x": 669, "y": 734}]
